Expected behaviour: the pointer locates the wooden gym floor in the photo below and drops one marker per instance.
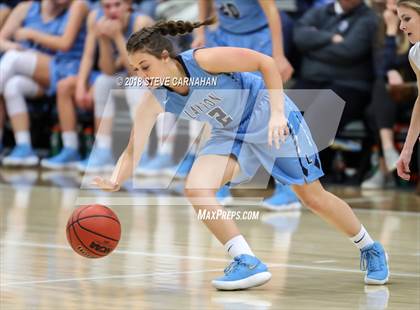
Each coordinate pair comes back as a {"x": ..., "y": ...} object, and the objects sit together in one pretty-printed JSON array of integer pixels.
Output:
[{"x": 166, "y": 258}]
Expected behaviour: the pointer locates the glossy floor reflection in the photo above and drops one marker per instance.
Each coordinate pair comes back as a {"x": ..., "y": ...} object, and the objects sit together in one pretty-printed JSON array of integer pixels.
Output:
[{"x": 166, "y": 257}]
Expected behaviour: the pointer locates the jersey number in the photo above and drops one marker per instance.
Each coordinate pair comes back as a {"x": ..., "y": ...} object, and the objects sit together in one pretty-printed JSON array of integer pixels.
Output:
[
  {"x": 219, "y": 115},
  {"x": 229, "y": 9}
]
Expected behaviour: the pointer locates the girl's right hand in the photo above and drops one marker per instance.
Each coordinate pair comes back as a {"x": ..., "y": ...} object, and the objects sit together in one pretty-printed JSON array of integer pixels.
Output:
[
  {"x": 106, "y": 185},
  {"x": 81, "y": 96},
  {"x": 392, "y": 22}
]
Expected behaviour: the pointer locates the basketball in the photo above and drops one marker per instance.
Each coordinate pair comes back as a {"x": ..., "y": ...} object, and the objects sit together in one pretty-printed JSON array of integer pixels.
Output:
[{"x": 93, "y": 231}]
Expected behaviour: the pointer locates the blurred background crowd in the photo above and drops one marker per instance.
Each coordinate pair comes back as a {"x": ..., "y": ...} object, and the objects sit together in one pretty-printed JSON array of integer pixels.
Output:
[{"x": 59, "y": 61}]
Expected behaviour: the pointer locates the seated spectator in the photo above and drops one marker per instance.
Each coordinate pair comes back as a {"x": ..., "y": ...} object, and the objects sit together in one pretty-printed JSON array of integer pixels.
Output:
[
  {"x": 383, "y": 112},
  {"x": 336, "y": 43},
  {"x": 48, "y": 42},
  {"x": 108, "y": 28}
]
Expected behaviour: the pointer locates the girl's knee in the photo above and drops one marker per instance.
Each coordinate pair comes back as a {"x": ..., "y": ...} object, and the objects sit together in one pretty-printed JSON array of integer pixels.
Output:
[
  {"x": 313, "y": 198},
  {"x": 192, "y": 192},
  {"x": 66, "y": 86}
]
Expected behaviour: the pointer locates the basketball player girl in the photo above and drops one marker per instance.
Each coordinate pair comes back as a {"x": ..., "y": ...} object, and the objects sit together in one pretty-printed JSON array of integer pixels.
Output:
[
  {"x": 250, "y": 116},
  {"x": 256, "y": 25},
  {"x": 409, "y": 13}
]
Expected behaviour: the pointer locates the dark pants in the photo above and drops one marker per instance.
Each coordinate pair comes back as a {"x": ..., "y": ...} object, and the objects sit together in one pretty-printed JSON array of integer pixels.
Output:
[
  {"x": 383, "y": 112},
  {"x": 356, "y": 102}
]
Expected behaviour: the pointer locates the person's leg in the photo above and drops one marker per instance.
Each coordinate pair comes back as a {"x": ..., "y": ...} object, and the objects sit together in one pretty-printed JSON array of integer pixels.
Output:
[
  {"x": 380, "y": 120},
  {"x": 69, "y": 154},
  {"x": 16, "y": 63},
  {"x": 101, "y": 158},
  {"x": 42, "y": 70},
  {"x": 339, "y": 214},
  {"x": 207, "y": 175},
  {"x": 385, "y": 112},
  {"x": 378, "y": 178},
  {"x": 133, "y": 97},
  {"x": 16, "y": 90},
  {"x": 197, "y": 136},
  {"x": 166, "y": 133}
]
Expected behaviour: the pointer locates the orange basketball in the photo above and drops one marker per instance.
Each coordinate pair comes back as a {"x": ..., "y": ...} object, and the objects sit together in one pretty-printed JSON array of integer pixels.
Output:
[{"x": 93, "y": 231}]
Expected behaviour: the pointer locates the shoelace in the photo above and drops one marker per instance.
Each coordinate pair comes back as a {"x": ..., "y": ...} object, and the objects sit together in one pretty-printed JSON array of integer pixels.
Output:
[
  {"x": 370, "y": 259},
  {"x": 233, "y": 266}
]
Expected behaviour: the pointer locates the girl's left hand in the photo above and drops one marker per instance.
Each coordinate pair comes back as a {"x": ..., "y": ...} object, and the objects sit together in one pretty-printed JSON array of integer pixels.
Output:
[{"x": 277, "y": 129}]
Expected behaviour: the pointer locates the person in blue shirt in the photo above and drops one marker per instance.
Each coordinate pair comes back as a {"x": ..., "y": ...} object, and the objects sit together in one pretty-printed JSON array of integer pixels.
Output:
[
  {"x": 108, "y": 24},
  {"x": 47, "y": 46},
  {"x": 253, "y": 124}
]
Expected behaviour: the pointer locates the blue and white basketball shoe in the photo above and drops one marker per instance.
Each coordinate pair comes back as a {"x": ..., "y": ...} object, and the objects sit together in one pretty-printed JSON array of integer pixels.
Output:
[
  {"x": 283, "y": 199},
  {"x": 155, "y": 166},
  {"x": 181, "y": 170},
  {"x": 374, "y": 260},
  {"x": 244, "y": 272},
  {"x": 21, "y": 155},
  {"x": 99, "y": 160},
  {"x": 67, "y": 158}
]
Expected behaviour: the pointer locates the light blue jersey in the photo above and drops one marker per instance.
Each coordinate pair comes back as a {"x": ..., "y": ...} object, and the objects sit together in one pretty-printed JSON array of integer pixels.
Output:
[
  {"x": 65, "y": 64},
  {"x": 240, "y": 16},
  {"x": 34, "y": 21},
  {"x": 237, "y": 107},
  {"x": 242, "y": 23}
]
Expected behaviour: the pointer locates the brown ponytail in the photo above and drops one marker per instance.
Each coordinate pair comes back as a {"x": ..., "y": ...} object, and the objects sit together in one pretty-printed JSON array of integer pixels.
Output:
[{"x": 153, "y": 41}]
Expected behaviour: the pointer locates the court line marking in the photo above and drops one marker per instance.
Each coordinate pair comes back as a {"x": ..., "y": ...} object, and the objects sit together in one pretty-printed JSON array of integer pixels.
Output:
[
  {"x": 324, "y": 261},
  {"x": 125, "y": 276},
  {"x": 271, "y": 265}
]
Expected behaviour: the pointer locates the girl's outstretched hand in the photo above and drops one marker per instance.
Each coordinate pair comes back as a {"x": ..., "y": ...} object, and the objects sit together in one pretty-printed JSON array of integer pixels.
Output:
[
  {"x": 106, "y": 185},
  {"x": 277, "y": 129}
]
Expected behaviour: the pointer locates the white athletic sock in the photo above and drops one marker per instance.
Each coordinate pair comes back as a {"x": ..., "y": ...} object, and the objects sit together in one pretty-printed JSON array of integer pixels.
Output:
[
  {"x": 362, "y": 239},
  {"x": 23, "y": 137},
  {"x": 166, "y": 147},
  {"x": 103, "y": 142},
  {"x": 70, "y": 140},
  {"x": 166, "y": 131},
  {"x": 237, "y": 246}
]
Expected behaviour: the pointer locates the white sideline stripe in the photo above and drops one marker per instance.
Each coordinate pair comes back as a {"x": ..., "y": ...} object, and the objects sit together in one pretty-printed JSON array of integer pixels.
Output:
[
  {"x": 175, "y": 200},
  {"x": 271, "y": 265},
  {"x": 366, "y": 199},
  {"x": 125, "y": 276}
]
